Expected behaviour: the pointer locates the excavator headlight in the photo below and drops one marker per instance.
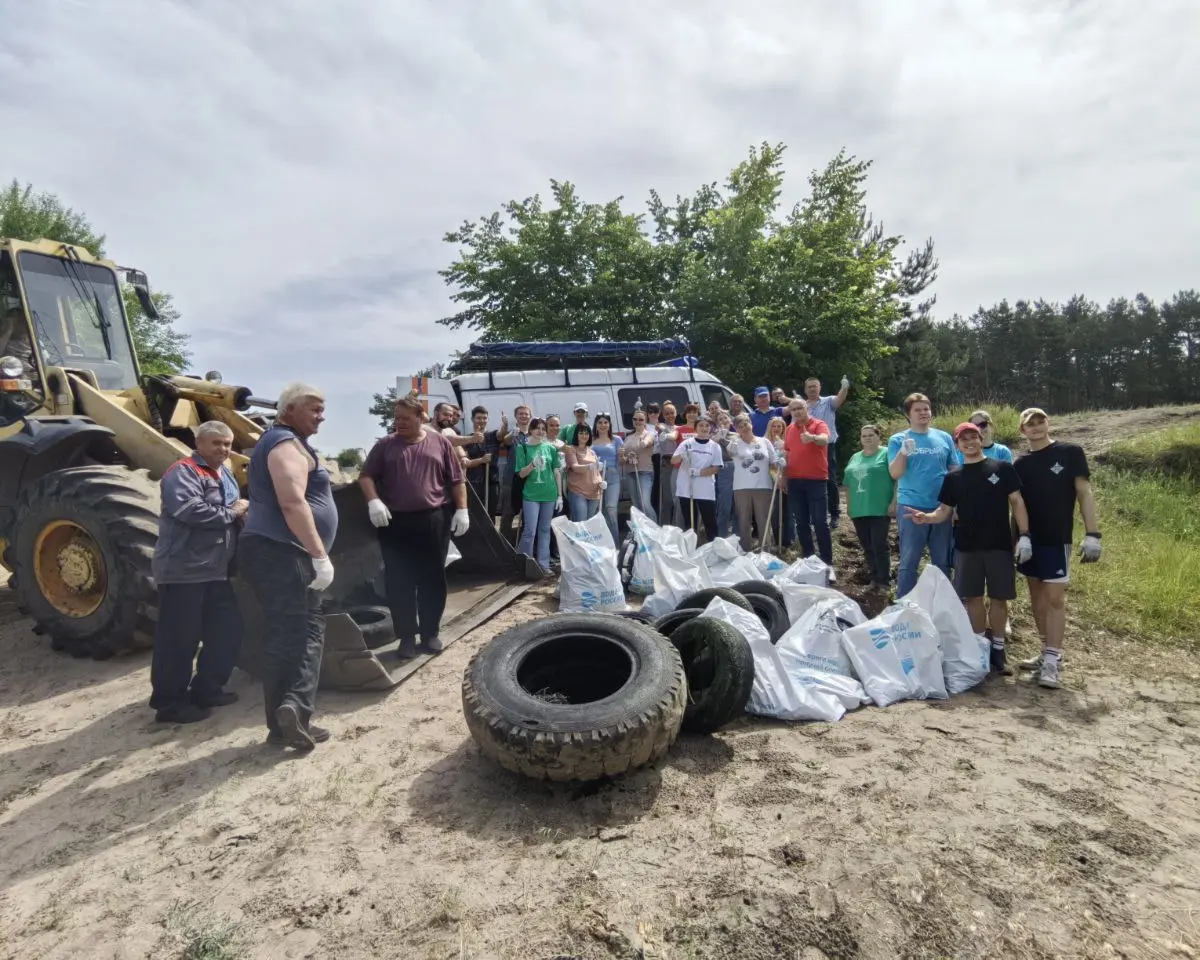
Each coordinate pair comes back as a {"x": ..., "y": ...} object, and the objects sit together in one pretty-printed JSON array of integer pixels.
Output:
[{"x": 11, "y": 368}]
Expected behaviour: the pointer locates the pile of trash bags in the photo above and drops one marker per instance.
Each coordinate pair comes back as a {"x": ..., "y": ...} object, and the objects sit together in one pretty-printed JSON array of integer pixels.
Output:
[{"x": 830, "y": 659}]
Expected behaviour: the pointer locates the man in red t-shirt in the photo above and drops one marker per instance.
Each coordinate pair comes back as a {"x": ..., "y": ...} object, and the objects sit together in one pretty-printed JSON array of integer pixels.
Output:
[{"x": 805, "y": 443}]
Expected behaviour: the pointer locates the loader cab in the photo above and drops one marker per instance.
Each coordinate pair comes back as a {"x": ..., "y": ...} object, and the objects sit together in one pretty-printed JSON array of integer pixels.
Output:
[{"x": 21, "y": 386}]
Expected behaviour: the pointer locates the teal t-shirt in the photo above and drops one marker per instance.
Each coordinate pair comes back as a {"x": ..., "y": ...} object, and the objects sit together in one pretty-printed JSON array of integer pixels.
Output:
[
  {"x": 934, "y": 457},
  {"x": 541, "y": 485},
  {"x": 869, "y": 486}
]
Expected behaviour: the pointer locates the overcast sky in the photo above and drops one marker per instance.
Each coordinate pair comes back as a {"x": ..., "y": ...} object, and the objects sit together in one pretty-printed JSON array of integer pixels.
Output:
[{"x": 287, "y": 169}]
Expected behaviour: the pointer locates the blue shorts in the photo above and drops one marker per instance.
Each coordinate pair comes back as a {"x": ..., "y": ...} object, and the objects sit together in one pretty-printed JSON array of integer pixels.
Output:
[{"x": 1049, "y": 564}]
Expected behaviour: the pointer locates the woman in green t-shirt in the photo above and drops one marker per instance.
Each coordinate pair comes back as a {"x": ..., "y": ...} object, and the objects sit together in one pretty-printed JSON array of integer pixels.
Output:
[
  {"x": 871, "y": 503},
  {"x": 537, "y": 465}
]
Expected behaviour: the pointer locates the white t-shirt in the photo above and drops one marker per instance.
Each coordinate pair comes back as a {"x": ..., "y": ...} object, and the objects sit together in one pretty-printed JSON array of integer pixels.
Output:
[
  {"x": 752, "y": 463},
  {"x": 703, "y": 455}
]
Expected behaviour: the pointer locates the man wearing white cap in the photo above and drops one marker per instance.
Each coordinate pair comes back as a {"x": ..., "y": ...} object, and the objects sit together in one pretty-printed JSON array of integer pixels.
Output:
[
  {"x": 1054, "y": 476},
  {"x": 567, "y": 434}
]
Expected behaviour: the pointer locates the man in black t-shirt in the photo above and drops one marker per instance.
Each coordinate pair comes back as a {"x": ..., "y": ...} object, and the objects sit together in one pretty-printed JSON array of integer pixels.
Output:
[
  {"x": 980, "y": 495},
  {"x": 1053, "y": 476},
  {"x": 479, "y": 462}
]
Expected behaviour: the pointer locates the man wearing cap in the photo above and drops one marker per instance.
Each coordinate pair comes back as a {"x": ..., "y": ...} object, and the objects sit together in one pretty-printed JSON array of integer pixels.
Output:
[
  {"x": 997, "y": 451},
  {"x": 919, "y": 459},
  {"x": 825, "y": 409},
  {"x": 979, "y": 497},
  {"x": 762, "y": 413},
  {"x": 1054, "y": 476},
  {"x": 567, "y": 434}
]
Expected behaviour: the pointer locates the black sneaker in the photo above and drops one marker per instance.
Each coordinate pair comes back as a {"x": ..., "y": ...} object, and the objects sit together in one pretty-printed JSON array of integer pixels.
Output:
[
  {"x": 999, "y": 660},
  {"x": 222, "y": 698},
  {"x": 291, "y": 730},
  {"x": 407, "y": 650},
  {"x": 184, "y": 713},
  {"x": 432, "y": 645}
]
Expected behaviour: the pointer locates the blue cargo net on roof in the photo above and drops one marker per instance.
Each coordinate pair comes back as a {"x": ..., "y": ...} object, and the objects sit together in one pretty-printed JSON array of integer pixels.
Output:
[{"x": 551, "y": 354}]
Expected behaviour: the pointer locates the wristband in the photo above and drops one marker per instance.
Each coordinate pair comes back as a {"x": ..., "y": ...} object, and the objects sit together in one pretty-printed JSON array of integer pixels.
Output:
[
  {"x": 1096, "y": 535},
  {"x": 1023, "y": 533}
]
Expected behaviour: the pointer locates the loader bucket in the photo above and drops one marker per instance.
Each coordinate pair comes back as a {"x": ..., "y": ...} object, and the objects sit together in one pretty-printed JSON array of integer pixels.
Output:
[{"x": 488, "y": 563}]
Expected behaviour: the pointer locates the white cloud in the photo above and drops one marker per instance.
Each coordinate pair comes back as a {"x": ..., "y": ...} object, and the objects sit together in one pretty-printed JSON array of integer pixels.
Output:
[{"x": 287, "y": 171}]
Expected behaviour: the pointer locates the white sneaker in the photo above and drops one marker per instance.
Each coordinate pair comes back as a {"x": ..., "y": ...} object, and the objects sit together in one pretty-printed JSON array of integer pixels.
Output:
[
  {"x": 832, "y": 578},
  {"x": 1048, "y": 678}
]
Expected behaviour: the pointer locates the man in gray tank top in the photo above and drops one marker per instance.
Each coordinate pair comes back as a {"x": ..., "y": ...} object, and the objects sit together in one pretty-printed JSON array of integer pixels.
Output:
[{"x": 284, "y": 556}]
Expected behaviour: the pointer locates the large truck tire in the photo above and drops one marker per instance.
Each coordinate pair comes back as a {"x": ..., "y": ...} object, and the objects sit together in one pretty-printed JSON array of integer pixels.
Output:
[
  {"x": 575, "y": 697},
  {"x": 82, "y": 542},
  {"x": 720, "y": 672}
]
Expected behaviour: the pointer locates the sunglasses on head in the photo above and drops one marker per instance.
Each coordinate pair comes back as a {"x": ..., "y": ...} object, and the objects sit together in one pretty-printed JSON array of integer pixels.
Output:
[{"x": 982, "y": 423}]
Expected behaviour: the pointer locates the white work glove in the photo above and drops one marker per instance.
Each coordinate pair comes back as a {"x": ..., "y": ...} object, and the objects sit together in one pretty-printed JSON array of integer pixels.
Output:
[
  {"x": 1089, "y": 550},
  {"x": 1024, "y": 551},
  {"x": 460, "y": 523},
  {"x": 603, "y": 484},
  {"x": 380, "y": 515},
  {"x": 845, "y": 382},
  {"x": 323, "y": 574},
  {"x": 695, "y": 473},
  {"x": 558, "y": 505},
  {"x": 909, "y": 446}
]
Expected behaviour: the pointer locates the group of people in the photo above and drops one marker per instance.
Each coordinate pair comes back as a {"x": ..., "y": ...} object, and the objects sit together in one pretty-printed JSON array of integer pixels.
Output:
[
  {"x": 981, "y": 516},
  {"x": 956, "y": 497}
]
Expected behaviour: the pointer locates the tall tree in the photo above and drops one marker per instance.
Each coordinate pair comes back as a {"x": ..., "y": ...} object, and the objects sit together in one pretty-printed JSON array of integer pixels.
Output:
[{"x": 26, "y": 215}]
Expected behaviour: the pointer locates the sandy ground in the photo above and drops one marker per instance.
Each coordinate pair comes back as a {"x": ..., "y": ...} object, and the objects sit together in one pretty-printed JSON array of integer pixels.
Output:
[{"x": 1009, "y": 822}]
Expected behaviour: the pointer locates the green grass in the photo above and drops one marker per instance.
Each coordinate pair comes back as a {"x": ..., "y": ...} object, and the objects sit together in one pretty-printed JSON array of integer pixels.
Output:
[
  {"x": 1005, "y": 420},
  {"x": 200, "y": 937},
  {"x": 1146, "y": 582},
  {"x": 1174, "y": 452}
]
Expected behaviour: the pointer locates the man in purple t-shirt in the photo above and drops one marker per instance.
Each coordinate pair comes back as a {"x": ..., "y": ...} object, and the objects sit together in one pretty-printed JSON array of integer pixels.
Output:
[{"x": 417, "y": 498}]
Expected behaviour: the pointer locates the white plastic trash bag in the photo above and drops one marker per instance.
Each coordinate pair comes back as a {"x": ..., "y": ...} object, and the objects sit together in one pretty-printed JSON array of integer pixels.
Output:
[
  {"x": 846, "y": 690},
  {"x": 675, "y": 577},
  {"x": 896, "y": 656},
  {"x": 798, "y": 597},
  {"x": 720, "y": 550},
  {"x": 590, "y": 578},
  {"x": 774, "y": 694},
  {"x": 769, "y": 565},
  {"x": 814, "y": 641},
  {"x": 807, "y": 570},
  {"x": 652, "y": 540},
  {"x": 737, "y": 570},
  {"x": 452, "y": 554},
  {"x": 966, "y": 656}
]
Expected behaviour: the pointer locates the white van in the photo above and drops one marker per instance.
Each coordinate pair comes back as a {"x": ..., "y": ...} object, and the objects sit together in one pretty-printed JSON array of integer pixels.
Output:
[{"x": 550, "y": 378}]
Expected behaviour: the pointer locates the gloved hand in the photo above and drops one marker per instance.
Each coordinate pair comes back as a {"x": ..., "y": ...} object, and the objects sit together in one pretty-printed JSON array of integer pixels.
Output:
[
  {"x": 694, "y": 473},
  {"x": 1089, "y": 550},
  {"x": 323, "y": 574},
  {"x": 1024, "y": 551},
  {"x": 460, "y": 523},
  {"x": 909, "y": 446},
  {"x": 603, "y": 484},
  {"x": 845, "y": 382},
  {"x": 558, "y": 505},
  {"x": 380, "y": 515}
]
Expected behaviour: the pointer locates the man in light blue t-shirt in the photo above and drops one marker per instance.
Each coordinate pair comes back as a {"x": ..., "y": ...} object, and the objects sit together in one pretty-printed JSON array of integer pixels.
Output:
[{"x": 918, "y": 459}]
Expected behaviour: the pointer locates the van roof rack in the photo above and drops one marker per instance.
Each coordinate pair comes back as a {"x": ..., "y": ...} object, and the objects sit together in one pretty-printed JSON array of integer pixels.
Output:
[{"x": 564, "y": 355}]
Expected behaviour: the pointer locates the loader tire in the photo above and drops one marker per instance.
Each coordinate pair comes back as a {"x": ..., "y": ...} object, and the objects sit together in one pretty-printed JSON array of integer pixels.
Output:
[
  {"x": 575, "y": 697},
  {"x": 375, "y": 625},
  {"x": 702, "y": 598},
  {"x": 82, "y": 545},
  {"x": 720, "y": 672}
]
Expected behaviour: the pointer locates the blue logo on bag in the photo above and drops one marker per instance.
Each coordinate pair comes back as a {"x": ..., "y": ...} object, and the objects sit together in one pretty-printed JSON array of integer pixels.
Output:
[
  {"x": 879, "y": 637},
  {"x": 907, "y": 665},
  {"x": 587, "y": 600}
]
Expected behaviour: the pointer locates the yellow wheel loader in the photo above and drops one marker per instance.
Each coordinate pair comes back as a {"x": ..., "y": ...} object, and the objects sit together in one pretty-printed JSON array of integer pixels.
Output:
[{"x": 84, "y": 438}]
